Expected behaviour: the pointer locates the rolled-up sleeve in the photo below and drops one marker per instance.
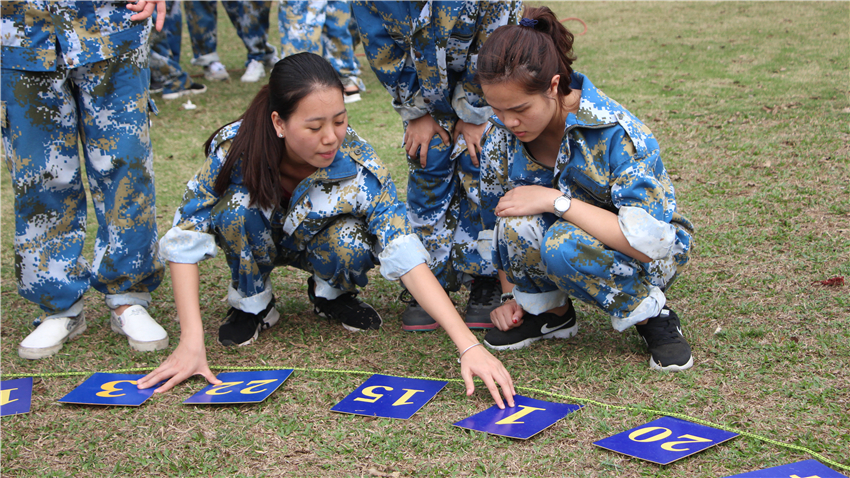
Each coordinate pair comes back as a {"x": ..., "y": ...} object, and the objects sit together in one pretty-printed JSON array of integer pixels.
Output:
[
  {"x": 640, "y": 196},
  {"x": 401, "y": 255},
  {"x": 189, "y": 240},
  {"x": 646, "y": 234},
  {"x": 186, "y": 246}
]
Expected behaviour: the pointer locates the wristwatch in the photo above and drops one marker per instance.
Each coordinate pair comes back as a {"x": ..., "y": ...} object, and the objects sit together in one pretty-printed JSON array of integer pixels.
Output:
[{"x": 562, "y": 205}]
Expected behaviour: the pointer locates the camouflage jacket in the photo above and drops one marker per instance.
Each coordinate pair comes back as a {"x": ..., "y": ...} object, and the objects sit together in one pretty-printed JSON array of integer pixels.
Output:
[
  {"x": 83, "y": 32},
  {"x": 425, "y": 54},
  {"x": 355, "y": 184},
  {"x": 608, "y": 158}
]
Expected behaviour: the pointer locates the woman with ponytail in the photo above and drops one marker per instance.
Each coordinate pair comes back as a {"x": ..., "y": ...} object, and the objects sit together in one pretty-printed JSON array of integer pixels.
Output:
[
  {"x": 575, "y": 198},
  {"x": 290, "y": 184}
]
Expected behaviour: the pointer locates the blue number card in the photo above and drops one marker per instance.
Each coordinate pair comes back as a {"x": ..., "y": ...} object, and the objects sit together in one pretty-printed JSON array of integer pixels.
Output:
[
  {"x": 389, "y": 397},
  {"x": 527, "y": 418},
  {"x": 15, "y": 396},
  {"x": 801, "y": 469},
  {"x": 109, "y": 389},
  {"x": 241, "y": 387},
  {"x": 665, "y": 440}
]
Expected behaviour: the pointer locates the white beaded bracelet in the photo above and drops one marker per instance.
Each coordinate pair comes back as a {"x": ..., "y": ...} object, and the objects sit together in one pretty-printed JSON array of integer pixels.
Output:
[{"x": 466, "y": 350}]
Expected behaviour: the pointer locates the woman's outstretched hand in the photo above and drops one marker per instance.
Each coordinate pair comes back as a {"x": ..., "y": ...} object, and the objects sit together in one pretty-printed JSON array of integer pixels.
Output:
[
  {"x": 184, "y": 362},
  {"x": 479, "y": 362}
]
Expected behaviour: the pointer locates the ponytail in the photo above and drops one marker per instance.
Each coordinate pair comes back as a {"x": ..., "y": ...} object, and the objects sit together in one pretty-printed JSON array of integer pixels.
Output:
[
  {"x": 529, "y": 54},
  {"x": 257, "y": 141}
]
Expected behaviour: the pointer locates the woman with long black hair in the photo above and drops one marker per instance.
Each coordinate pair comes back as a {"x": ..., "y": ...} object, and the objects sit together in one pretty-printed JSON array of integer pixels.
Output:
[{"x": 290, "y": 183}]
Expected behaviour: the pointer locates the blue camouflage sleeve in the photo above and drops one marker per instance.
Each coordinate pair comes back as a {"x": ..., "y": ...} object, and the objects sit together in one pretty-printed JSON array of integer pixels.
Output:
[
  {"x": 386, "y": 215},
  {"x": 642, "y": 193},
  {"x": 189, "y": 241}
]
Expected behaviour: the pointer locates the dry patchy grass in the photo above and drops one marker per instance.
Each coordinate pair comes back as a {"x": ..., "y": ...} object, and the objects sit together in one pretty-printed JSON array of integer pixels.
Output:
[{"x": 750, "y": 104}]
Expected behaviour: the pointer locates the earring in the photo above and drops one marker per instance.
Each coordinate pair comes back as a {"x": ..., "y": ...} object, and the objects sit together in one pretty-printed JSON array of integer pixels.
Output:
[{"x": 280, "y": 135}]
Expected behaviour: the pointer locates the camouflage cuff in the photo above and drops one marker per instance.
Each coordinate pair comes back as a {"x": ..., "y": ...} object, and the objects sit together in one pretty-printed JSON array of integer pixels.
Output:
[
  {"x": 206, "y": 60},
  {"x": 411, "y": 110},
  {"x": 253, "y": 304},
  {"x": 539, "y": 302},
  {"x": 466, "y": 111},
  {"x": 648, "y": 307}
]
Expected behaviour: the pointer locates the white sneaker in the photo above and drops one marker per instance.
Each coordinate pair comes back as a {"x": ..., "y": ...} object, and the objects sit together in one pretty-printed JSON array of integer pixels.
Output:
[
  {"x": 351, "y": 89},
  {"x": 215, "y": 71},
  {"x": 351, "y": 96},
  {"x": 272, "y": 61},
  {"x": 48, "y": 338},
  {"x": 253, "y": 72},
  {"x": 143, "y": 333}
]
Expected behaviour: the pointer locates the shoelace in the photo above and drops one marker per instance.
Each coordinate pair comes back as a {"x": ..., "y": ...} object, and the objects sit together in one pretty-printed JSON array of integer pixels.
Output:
[
  {"x": 661, "y": 331},
  {"x": 481, "y": 295},
  {"x": 407, "y": 298},
  {"x": 343, "y": 303}
]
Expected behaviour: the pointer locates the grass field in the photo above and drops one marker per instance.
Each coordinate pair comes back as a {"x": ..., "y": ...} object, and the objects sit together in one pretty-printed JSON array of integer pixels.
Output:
[{"x": 749, "y": 101}]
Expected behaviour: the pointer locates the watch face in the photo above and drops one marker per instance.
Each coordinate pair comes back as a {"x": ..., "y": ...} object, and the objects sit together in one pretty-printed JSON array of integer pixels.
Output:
[{"x": 562, "y": 204}]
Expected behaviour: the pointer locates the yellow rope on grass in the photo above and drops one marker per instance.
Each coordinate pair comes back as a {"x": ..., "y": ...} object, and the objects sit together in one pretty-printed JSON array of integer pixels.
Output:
[{"x": 568, "y": 398}]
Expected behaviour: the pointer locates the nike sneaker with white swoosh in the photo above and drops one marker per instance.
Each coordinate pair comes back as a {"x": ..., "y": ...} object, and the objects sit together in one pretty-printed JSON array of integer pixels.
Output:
[
  {"x": 532, "y": 329},
  {"x": 665, "y": 341}
]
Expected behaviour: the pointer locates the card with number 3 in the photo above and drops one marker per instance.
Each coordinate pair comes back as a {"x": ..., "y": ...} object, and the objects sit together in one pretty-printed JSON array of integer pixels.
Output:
[{"x": 109, "y": 389}]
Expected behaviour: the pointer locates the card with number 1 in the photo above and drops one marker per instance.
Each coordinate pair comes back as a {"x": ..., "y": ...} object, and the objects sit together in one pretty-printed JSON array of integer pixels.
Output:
[
  {"x": 527, "y": 418},
  {"x": 15, "y": 396}
]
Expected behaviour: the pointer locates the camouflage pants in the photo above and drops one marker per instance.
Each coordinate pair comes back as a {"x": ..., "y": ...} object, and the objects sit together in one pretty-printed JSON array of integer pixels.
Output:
[
  {"x": 443, "y": 208},
  {"x": 250, "y": 18},
  {"x": 165, "y": 52},
  {"x": 105, "y": 106},
  {"x": 549, "y": 260},
  {"x": 320, "y": 27},
  {"x": 338, "y": 257}
]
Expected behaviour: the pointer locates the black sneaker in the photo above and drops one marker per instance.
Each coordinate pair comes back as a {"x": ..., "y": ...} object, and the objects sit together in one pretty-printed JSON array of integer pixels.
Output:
[
  {"x": 414, "y": 318},
  {"x": 193, "y": 89},
  {"x": 534, "y": 328},
  {"x": 351, "y": 96},
  {"x": 665, "y": 341},
  {"x": 485, "y": 294},
  {"x": 156, "y": 87},
  {"x": 242, "y": 328},
  {"x": 354, "y": 314}
]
